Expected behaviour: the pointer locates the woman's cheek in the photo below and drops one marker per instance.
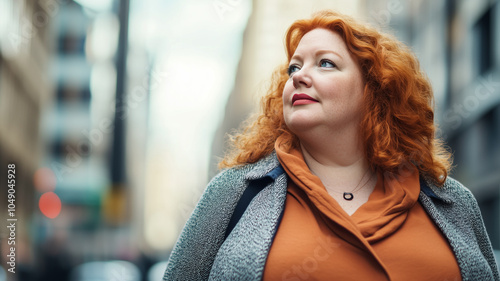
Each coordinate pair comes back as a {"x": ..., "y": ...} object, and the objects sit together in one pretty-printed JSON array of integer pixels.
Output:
[{"x": 287, "y": 92}]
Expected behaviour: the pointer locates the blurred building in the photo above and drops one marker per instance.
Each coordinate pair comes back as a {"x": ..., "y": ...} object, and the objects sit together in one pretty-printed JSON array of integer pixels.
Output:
[
  {"x": 58, "y": 78},
  {"x": 25, "y": 90},
  {"x": 458, "y": 45},
  {"x": 95, "y": 221},
  {"x": 471, "y": 114},
  {"x": 72, "y": 154}
]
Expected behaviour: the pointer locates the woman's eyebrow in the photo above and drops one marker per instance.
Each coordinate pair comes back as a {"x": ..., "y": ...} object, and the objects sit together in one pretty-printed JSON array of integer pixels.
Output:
[
  {"x": 320, "y": 52},
  {"x": 296, "y": 57}
]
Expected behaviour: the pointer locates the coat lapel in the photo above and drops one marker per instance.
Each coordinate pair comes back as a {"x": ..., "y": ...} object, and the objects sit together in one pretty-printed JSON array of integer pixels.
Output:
[{"x": 243, "y": 255}]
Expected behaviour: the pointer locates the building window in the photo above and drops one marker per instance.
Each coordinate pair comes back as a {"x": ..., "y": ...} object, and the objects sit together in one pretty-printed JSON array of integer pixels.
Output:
[
  {"x": 484, "y": 41},
  {"x": 71, "y": 44},
  {"x": 67, "y": 92}
]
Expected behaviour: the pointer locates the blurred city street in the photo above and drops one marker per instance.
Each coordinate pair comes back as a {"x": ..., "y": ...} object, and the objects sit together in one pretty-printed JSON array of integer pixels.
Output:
[{"x": 115, "y": 113}]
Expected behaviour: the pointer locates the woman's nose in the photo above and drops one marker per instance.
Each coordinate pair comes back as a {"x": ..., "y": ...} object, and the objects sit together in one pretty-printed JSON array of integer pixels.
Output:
[{"x": 301, "y": 78}]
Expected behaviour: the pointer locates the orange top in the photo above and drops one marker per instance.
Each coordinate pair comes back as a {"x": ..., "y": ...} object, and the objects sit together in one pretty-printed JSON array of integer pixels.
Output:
[{"x": 390, "y": 237}]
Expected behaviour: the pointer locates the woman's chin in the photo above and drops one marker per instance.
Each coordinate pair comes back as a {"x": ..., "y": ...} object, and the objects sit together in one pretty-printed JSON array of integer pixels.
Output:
[{"x": 298, "y": 125}]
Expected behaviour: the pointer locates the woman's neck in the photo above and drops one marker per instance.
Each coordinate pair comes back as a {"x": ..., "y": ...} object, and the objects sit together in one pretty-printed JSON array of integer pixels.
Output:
[{"x": 338, "y": 160}]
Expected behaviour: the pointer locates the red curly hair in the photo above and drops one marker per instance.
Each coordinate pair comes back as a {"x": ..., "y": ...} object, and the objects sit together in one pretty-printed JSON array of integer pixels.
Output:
[{"x": 398, "y": 123}]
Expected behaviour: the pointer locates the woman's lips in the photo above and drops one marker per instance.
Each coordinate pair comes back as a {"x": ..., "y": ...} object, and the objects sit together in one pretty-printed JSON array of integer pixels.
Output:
[{"x": 300, "y": 99}]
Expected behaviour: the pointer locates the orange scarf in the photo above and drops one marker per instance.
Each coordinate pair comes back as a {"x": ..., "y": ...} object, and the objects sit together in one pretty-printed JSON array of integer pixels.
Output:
[{"x": 387, "y": 238}]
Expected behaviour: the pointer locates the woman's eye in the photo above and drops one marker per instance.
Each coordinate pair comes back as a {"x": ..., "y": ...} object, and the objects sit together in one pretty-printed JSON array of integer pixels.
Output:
[
  {"x": 292, "y": 68},
  {"x": 326, "y": 63}
]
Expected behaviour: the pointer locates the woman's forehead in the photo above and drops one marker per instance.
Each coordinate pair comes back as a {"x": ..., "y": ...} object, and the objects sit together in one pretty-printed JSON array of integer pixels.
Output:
[{"x": 321, "y": 40}]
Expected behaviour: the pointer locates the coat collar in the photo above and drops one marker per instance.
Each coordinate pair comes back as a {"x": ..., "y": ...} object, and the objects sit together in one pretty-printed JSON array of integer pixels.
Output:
[
  {"x": 428, "y": 188},
  {"x": 263, "y": 167}
]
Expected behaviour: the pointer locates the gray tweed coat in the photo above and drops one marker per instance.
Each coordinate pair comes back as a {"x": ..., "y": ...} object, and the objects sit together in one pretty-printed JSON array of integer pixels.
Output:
[{"x": 202, "y": 254}]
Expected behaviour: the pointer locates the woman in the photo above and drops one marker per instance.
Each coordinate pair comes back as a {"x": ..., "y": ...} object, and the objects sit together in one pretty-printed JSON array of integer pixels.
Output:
[{"x": 354, "y": 183}]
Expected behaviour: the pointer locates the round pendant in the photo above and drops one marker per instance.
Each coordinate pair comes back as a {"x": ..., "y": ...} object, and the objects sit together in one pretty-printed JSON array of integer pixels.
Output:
[{"x": 348, "y": 196}]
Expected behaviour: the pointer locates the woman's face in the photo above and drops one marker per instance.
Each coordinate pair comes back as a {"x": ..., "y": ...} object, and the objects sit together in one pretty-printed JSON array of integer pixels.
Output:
[{"x": 325, "y": 88}]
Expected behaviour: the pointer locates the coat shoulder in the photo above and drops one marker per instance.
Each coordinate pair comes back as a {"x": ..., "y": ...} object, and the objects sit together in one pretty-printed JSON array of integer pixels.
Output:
[
  {"x": 458, "y": 192},
  {"x": 246, "y": 172}
]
